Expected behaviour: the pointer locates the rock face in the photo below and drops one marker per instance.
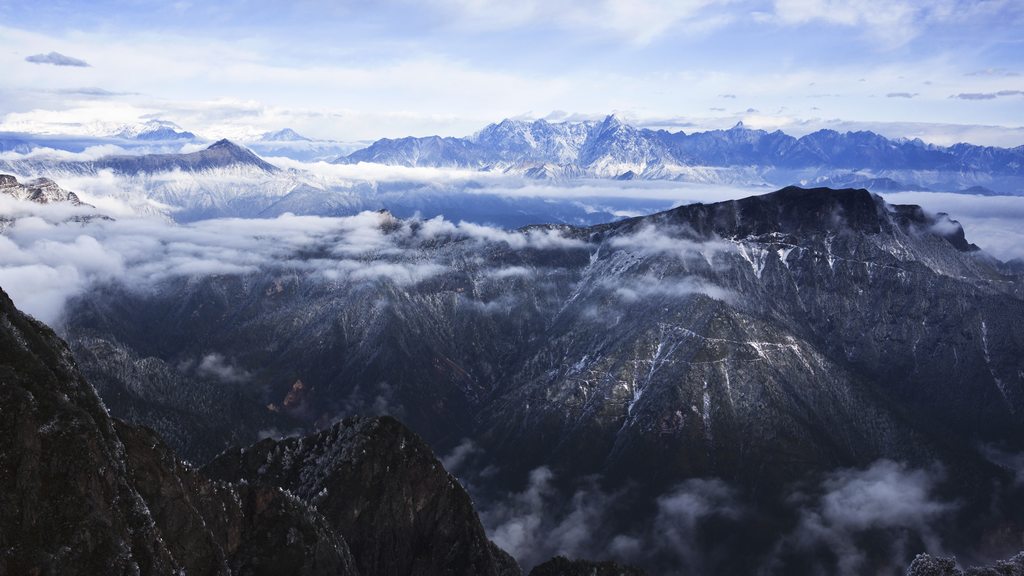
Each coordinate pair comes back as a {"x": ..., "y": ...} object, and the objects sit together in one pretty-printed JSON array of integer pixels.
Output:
[
  {"x": 380, "y": 487},
  {"x": 68, "y": 504},
  {"x": 85, "y": 494}
]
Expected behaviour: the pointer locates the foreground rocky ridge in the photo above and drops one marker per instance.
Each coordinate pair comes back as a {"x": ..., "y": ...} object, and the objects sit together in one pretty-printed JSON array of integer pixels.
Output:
[{"x": 83, "y": 493}]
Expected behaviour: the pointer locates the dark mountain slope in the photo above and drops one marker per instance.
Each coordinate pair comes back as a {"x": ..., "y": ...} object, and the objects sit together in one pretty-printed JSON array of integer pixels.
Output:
[
  {"x": 765, "y": 342},
  {"x": 84, "y": 494}
]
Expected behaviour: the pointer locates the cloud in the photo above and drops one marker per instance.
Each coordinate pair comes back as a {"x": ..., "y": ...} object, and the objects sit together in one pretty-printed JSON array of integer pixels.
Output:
[
  {"x": 991, "y": 222},
  {"x": 990, "y": 72},
  {"x": 543, "y": 521},
  {"x": 56, "y": 59},
  {"x": 216, "y": 366},
  {"x": 510, "y": 272},
  {"x": 901, "y": 95},
  {"x": 86, "y": 155},
  {"x": 650, "y": 286},
  {"x": 537, "y": 523},
  {"x": 92, "y": 91},
  {"x": 454, "y": 460},
  {"x": 636, "y": 21},
  {"x": 886, "y": 496},
  {"x": 399, "y": 273},
  {"x": 890, "y": 23},
  {"x": 653, "y": 240},
  {"x": 47, "y": 258},
  {"x": 987, "y": 95}
]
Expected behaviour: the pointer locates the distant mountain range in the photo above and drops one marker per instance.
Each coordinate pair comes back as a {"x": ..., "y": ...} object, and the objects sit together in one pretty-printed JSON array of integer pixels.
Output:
[
  {"x": 610, "y": 148},
  {"x": 226, "y": 179},
  {"x": 739, "y": 155}
]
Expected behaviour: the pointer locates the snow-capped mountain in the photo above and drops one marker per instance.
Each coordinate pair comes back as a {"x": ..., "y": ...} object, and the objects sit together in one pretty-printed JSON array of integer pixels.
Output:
[
  {"x": 228, "y": 180},
  {"x": 288, "y": 143},
  {"x": 39, "y": 190},
  {"x": 612, "y": 149},
  {"x": 154, "y": 130},
  {"x": 284, "y": 135}
]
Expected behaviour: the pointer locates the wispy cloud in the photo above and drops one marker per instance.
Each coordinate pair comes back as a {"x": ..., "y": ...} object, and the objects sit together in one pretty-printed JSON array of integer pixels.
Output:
[
  {"x": 996, "y": 72},
  {"x": 637, "y": 21},
  {"x": 987, "y": 95},
  {"x": 56, "y": 59},
  {"x": 885, "y": 497},
  {"x": 45, "y": 259}
]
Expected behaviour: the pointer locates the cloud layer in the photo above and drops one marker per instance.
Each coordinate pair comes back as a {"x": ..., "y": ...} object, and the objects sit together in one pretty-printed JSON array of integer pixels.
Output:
[{"x": 47, "y": 258}]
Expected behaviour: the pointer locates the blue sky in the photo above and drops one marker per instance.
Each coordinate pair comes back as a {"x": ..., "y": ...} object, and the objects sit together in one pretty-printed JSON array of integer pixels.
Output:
[{"x": 943, "y": 70}]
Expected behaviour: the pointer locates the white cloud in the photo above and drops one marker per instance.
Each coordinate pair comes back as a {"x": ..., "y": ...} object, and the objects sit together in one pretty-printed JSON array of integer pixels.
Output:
[
  {"x": 652, "y": 240},
  {"x": 215, "y": 365},
  {"x": 991, "y": 222},
  {"x": 678, "y": 287},
  {"x": 892, "y": 22},
  {"x": 884, "y": 496},
  {"x": 45, "y": 259}
]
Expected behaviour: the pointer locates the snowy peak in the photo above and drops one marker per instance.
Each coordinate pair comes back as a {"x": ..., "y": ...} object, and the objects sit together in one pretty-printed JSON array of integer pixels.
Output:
[
  {"x": 284, "y": 135},
  {"x": 154, "y": 130},
  {"x": 40, "y": 191},
  {"x": 610, "y": 148}
]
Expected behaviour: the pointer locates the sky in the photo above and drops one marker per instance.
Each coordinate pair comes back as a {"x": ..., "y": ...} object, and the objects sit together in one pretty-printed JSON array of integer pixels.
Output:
[{"x": 942, "y": 70}]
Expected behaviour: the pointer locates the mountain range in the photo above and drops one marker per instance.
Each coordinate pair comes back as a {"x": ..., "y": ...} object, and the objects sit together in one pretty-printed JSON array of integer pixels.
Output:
[
  {"x": 740, "y": 155},
  {"x": 85, "y": 493},
  {"x": 611, "y": 149},
  {"x": 228, "y": 180},
  {"x": 766, "y": 342}
]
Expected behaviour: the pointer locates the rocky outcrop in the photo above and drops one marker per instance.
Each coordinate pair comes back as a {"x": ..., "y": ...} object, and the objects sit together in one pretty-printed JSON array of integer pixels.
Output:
[
  {"x": 67, "y": 502},
  {"x": 39, "y": 190},
  {"x": 380, "y": 486},
  {"x": 83, "y": 494}
]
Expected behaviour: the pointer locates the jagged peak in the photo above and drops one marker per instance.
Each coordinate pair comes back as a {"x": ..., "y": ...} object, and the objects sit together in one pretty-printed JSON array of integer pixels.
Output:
[
  {"x": 611, "y": 120},
  {"x": 224, "y": 143},
  {"x": 283, "y": 135}
]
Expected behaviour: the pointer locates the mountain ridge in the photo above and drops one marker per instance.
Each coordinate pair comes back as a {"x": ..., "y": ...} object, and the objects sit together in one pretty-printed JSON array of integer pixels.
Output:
[{"x": 611, "y": 149}]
